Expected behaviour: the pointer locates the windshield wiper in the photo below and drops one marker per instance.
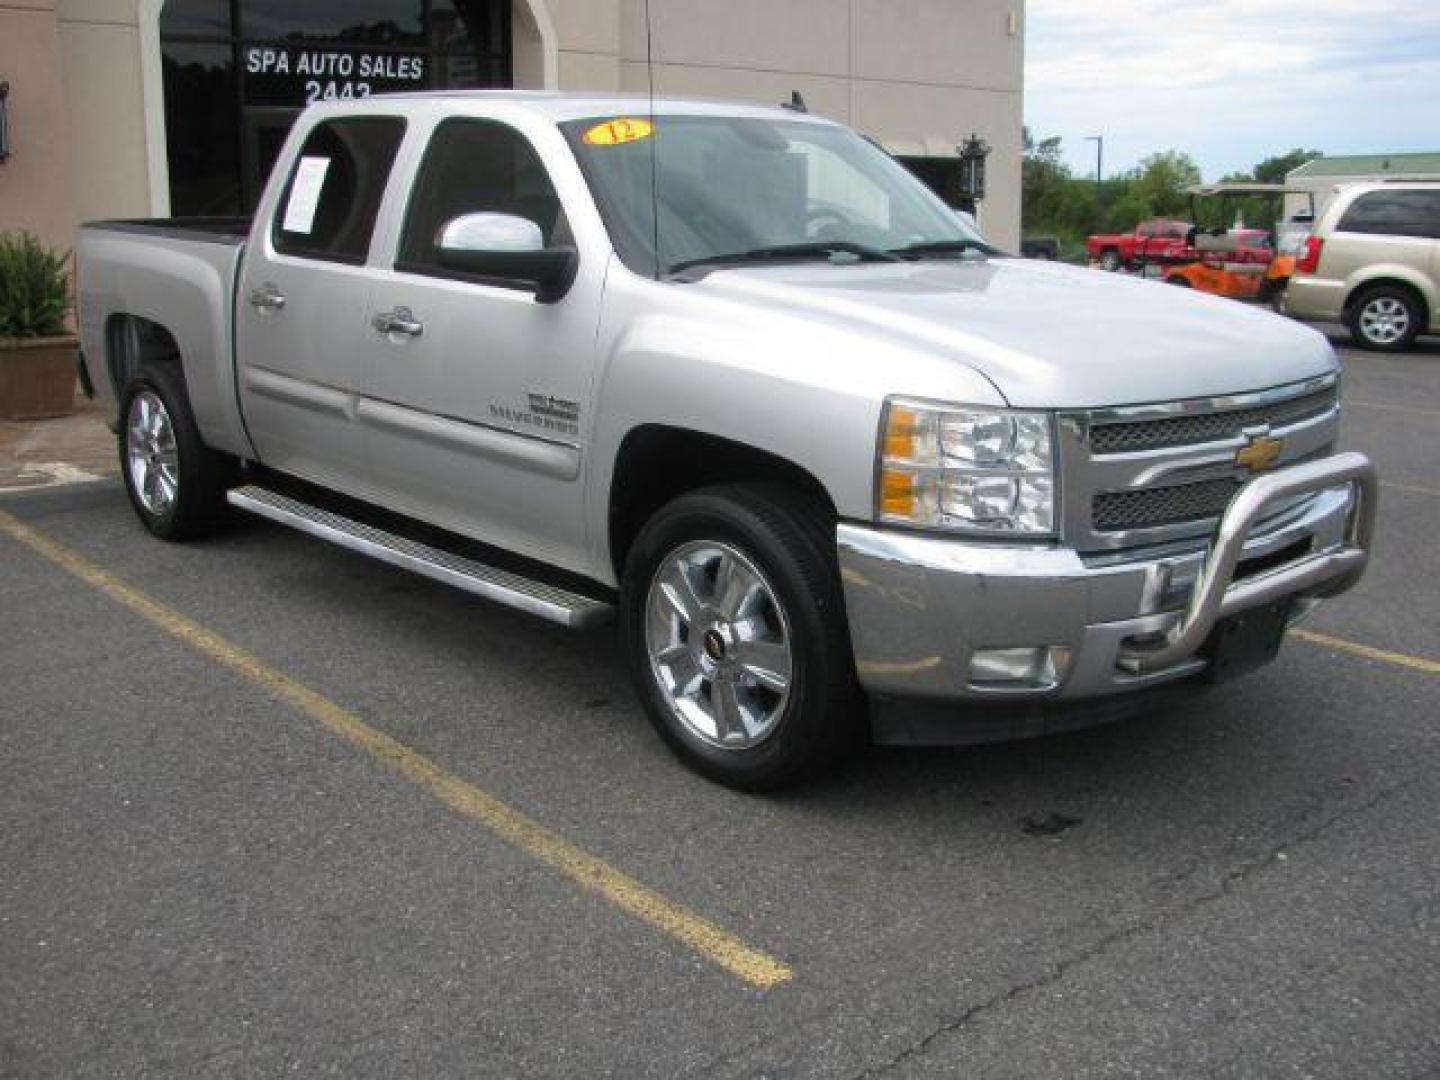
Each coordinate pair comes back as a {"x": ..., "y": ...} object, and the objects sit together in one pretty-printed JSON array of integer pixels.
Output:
[
  {"x": 827, "y": 248},
  {"x": 943, "y": 247}
]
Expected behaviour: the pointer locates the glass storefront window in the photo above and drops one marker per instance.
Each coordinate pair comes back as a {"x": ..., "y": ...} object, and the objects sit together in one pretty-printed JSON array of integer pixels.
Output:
[
  {"x": 285, "y": 55},
  {"x": 202, "y": 128},
  {"x": 327, "y": 22},
  {"x": 203, "y": 18}
]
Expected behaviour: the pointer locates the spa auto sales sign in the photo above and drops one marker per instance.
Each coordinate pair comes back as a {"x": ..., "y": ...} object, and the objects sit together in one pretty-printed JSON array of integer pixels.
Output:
[{"x": 293, "y": 75}]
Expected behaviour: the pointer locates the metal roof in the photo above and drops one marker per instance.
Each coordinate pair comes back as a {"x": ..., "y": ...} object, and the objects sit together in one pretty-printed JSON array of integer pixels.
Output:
[
  {"x": 1426, "y": 164},
  {"x": 1246, "y": 189}
]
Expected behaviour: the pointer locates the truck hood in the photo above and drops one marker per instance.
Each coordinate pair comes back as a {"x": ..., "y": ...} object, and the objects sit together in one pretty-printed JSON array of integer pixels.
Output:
[{"x": 1046, "y": 336}]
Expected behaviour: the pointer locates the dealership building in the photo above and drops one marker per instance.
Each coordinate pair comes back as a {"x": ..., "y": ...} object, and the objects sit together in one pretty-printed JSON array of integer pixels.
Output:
[{"x": 153, "y": 108}]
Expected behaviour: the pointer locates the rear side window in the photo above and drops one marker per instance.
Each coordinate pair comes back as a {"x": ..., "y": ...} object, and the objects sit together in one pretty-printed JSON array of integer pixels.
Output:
[
  {"x": 472, "y": 166},
  {"x": 1394, "y": 213},
  {"x": 333, "y": 196}
]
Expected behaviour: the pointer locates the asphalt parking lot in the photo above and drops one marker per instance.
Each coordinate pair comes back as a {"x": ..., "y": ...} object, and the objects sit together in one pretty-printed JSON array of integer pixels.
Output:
[{"x": 267, "y": 807}]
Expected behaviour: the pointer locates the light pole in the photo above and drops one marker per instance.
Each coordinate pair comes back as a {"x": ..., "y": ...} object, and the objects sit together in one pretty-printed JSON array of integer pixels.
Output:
[{"x": 1099, "y": 141}]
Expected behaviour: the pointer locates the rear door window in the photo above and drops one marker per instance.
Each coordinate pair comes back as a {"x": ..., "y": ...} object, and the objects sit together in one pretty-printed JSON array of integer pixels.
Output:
[
  {"x": 1394, "y": 213},
  {"x": 332, "y": 198}
]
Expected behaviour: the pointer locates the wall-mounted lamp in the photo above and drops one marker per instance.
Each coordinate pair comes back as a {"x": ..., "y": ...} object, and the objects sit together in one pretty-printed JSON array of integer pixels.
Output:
[
  {"x": 973, "y": 152},
  {"x": 4, "y": 121}
]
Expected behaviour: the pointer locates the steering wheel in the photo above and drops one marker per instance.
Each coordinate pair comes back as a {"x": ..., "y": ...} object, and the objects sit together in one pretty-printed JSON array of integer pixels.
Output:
[{"x": 822, "y": 222}]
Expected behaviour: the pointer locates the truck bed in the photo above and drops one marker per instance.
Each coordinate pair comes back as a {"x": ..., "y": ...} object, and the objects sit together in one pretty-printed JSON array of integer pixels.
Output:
[
  {"x": 153, "y": 287},
  {"x": 220, "y": 230}
]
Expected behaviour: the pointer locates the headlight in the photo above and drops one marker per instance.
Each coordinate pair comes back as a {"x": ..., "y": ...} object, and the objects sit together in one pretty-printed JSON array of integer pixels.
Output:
[{"x": 989, "y": 471}]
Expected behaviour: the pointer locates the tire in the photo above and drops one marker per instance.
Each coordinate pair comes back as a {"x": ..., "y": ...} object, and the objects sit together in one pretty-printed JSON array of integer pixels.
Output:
[
  {"x": 175, "y": 482},
  {"x": 1385, "y": 318},
  {"x": 1177, "y": 279},
  {"x": 725, "y": 589},
  {"x": 1110, "y": 260}
]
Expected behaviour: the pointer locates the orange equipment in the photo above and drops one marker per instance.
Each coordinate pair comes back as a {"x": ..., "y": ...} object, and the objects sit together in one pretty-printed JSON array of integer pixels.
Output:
[{"x": 1241, "y": 263}]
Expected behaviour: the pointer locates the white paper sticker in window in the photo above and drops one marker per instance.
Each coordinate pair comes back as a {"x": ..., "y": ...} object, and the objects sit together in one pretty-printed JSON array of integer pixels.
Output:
[{"x": 305, "y": 195}]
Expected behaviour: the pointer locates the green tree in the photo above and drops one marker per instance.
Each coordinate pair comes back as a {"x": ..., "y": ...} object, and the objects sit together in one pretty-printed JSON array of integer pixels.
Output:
[
  {"x": 1043, "y": 178},
  {"x": 1127, "y": 208},
  {"x": 1160, "y": 181},
  {"x": 1055, "y": 202}
]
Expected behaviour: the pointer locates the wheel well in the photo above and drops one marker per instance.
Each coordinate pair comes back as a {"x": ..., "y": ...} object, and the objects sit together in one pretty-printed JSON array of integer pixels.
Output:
[
  {"x": 1395, "y": 283},
  {"x": 131, "y": 342},
  {"x": 657, "y": 464}
]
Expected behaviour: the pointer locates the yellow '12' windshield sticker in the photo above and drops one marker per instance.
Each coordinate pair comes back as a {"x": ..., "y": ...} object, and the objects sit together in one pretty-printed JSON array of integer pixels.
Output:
[{"x": 620, "y": 130}]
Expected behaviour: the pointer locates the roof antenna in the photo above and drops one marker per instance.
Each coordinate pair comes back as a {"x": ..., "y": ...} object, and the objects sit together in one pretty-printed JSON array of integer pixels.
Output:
[
  {"x": 796, "y": 102},
  {"x": 654, "y": 168}
]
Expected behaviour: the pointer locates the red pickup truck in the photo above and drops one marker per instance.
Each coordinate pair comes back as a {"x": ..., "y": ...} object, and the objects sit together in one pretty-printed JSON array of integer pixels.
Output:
[{"x": 1158, "y": 238}]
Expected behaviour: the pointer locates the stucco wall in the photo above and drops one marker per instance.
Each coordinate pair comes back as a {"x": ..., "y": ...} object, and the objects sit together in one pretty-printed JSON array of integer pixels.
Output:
[
  {"x": 35, "y": 183},
  {"x": 101, "y": 71}
]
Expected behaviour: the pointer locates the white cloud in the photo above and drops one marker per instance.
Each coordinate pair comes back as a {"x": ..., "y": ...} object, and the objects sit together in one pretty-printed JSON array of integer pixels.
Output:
[{"x": 1232, "y": 81}]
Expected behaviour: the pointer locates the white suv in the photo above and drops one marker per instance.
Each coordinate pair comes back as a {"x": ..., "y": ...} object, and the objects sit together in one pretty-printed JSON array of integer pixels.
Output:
[{"x": 1373, "y": 263}]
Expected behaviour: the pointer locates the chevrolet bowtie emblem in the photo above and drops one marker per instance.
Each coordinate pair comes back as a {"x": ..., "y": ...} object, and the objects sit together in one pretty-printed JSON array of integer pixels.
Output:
[{"x": 1260, "y": 453}]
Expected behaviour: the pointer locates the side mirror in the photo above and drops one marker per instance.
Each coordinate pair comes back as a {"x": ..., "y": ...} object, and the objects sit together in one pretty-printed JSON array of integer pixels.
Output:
[{"x": 507, "y": 248}]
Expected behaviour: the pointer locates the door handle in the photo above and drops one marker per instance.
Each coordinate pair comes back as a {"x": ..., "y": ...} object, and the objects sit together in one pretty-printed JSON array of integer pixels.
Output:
[
  {"x": 400, "y": 321},
  {"x": 267, "y": 298}
]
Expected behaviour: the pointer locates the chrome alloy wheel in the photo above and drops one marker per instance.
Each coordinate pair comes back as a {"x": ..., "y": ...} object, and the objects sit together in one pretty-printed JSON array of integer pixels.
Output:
[
  {"x": 719, "y": 644},
  {"x": 151, "y": 454},
  {"x": 1384, "y": 320}
]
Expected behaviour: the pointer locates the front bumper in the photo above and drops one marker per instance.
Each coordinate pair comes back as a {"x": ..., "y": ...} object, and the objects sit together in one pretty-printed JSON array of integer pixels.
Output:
[{"x": 920, "y": 606}]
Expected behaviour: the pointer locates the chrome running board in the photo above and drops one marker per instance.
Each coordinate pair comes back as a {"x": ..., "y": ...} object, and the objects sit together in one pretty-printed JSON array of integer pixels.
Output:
[{"x": 537, "y": 597}]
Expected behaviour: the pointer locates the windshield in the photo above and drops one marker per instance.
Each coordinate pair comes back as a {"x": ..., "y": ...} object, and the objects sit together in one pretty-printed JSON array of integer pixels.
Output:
[{"x": 731, "y": 187}]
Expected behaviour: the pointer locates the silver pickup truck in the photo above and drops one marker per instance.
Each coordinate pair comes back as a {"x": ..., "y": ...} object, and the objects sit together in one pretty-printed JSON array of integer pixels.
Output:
[{"x": 843, "y": 469}]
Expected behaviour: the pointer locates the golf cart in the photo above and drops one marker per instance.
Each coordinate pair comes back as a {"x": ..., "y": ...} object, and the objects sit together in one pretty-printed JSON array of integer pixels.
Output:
[{"x": 1225, "y": 257}]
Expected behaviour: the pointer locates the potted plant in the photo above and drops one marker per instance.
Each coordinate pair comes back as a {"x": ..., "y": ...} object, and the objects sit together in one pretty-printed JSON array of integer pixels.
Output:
[{"x": 37, "y": 349}]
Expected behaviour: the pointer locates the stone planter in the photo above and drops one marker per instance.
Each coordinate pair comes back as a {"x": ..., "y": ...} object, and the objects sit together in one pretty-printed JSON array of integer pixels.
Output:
[{"x": 37, "y": 377}]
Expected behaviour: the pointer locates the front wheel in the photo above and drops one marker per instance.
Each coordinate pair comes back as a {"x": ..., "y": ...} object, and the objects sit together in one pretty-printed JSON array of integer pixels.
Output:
[
  {"x": 1385, "y": 319},
  {"x": 175, "y": 482},
  {"x": 735, "y": 627}
]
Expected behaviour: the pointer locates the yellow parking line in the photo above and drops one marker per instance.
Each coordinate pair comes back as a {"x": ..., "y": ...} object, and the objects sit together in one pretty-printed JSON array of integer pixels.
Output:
[
  {"x": 717, "y": 945},
  {"x": 1416, "y": 663}
]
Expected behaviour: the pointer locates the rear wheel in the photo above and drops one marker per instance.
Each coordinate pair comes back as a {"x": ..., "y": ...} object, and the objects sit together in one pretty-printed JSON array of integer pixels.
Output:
[
  {"x": 175, "y": 482},
  {"x": 1110, "y": 259},
  {"x": 1180, "y": 280},
  {"x": 735, "y": 628},
  {"x": 1385, "y": 318}
]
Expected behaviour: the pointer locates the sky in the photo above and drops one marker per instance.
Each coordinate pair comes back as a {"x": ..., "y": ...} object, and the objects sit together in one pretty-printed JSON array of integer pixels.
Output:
[{"x": 1232, "y": 82}]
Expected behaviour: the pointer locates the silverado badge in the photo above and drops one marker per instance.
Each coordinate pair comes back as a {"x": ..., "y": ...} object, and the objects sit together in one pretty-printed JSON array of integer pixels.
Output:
[{"x": 1259, "y": 453}]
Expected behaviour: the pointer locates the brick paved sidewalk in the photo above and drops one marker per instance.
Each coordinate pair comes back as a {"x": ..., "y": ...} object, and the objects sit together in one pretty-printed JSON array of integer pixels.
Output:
[{"x": 69, "y": 449}]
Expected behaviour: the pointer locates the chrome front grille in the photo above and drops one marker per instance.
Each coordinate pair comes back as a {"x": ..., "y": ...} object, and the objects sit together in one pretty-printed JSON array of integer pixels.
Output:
[
  {"x": 1149, "y": 474},
  {"x": 1125, "y": 436},
  {"x": 1149, "y": 507}
]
